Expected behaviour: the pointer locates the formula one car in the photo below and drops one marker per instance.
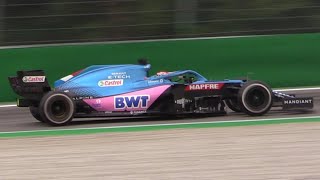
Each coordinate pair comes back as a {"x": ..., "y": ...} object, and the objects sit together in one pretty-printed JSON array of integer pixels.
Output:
[{"x": 126, "y": 90}]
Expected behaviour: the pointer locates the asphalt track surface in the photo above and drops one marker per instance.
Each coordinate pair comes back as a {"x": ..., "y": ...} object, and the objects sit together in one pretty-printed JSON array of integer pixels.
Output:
[{"x": 20, "y": 119}]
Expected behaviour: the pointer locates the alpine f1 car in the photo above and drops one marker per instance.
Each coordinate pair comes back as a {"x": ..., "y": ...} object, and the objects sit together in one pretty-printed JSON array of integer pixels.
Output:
[{"x": 127, "y": 90}]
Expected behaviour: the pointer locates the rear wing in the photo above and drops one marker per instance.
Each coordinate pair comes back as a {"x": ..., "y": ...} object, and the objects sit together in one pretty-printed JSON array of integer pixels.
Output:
[{"x": 31, "y": 85}]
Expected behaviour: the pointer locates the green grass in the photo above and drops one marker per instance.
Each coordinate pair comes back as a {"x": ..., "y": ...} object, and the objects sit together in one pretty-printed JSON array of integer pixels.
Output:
[{"x": 124, "y": 129}]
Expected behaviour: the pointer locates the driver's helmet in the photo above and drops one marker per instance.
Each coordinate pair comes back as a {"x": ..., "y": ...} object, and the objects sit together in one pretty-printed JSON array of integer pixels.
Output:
[{"x": 162, "y": 73}]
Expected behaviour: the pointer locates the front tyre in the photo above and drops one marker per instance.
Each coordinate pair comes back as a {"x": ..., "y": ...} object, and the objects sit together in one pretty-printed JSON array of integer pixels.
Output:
[
  {"x": 255, "y": 98},
  {"x": 57, "y": 108}
]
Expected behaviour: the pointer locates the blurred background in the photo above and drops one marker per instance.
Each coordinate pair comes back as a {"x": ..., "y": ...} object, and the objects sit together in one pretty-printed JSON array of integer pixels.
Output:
[{"x": 64, "y": 21}]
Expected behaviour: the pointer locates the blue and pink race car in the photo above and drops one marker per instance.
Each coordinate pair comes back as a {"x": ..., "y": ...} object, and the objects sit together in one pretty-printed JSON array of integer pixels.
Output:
[{"x": 127, "y": 90}]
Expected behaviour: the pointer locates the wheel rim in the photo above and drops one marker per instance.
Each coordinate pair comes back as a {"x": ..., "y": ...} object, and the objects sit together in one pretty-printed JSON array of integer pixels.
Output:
[
  {"x": 59, "y": 109},
  {"x": 257, "y": 98}
]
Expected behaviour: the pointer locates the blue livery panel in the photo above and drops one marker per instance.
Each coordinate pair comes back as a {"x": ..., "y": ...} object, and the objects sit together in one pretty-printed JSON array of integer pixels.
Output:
[{"x": 111, "y": 80}]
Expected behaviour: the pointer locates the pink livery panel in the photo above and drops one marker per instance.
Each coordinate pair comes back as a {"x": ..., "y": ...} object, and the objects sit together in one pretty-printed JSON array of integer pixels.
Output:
[{"x": 133, "y": 101}]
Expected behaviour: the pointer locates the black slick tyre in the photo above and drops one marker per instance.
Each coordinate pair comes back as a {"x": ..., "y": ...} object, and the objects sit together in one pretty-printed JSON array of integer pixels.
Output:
[
  {"x": 35, "y": 113},
  {"x": 57, "y": 108},
  {"x": 255, "y": 98},
  {"x": 233, "y": 104}
]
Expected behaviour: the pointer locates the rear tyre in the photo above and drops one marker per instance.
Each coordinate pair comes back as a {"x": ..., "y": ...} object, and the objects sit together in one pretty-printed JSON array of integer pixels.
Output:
[
  {"x": 57, "y": 108},
  {"x": 255, "y": 98},
  {"x": 233, "y": 104},
  {"x": 35, "y": 113}
]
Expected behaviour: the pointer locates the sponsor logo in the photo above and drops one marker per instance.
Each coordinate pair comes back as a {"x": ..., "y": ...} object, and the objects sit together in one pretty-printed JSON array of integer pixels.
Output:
[
  {"x": 139, "y": 101},
  {"x": 183, "y": 101},
  {"x": 297, "y": 101},
  {"x": 97, "y": 104},
  {"x": 119, "y": 75},
  {"x": 138, "y": 112},
  {"x": 155, "y": 81},
  {"x": 108, "y": 83},
  {"x": 196, "y": 87},
  {"x": 81, "y": 98},
  {"x": 33, "y": 79},
  {"x": 291, "y": 103}
]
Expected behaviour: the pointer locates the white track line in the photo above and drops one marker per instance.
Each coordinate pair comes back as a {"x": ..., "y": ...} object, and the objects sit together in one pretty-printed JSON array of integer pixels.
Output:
[
  {"x": 130, "y": 41},
  {"x": 173, "y": 124},
  {"x": 298, "y": 89},
  {"x": 283, "y": 90},
  {"x": 6, "y": 106}
]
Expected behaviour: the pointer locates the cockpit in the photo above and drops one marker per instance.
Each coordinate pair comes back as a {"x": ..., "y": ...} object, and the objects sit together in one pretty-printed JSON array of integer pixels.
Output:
[
  {"x": 184, "y": 79},
  {"x": 179, "y": 77}
]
